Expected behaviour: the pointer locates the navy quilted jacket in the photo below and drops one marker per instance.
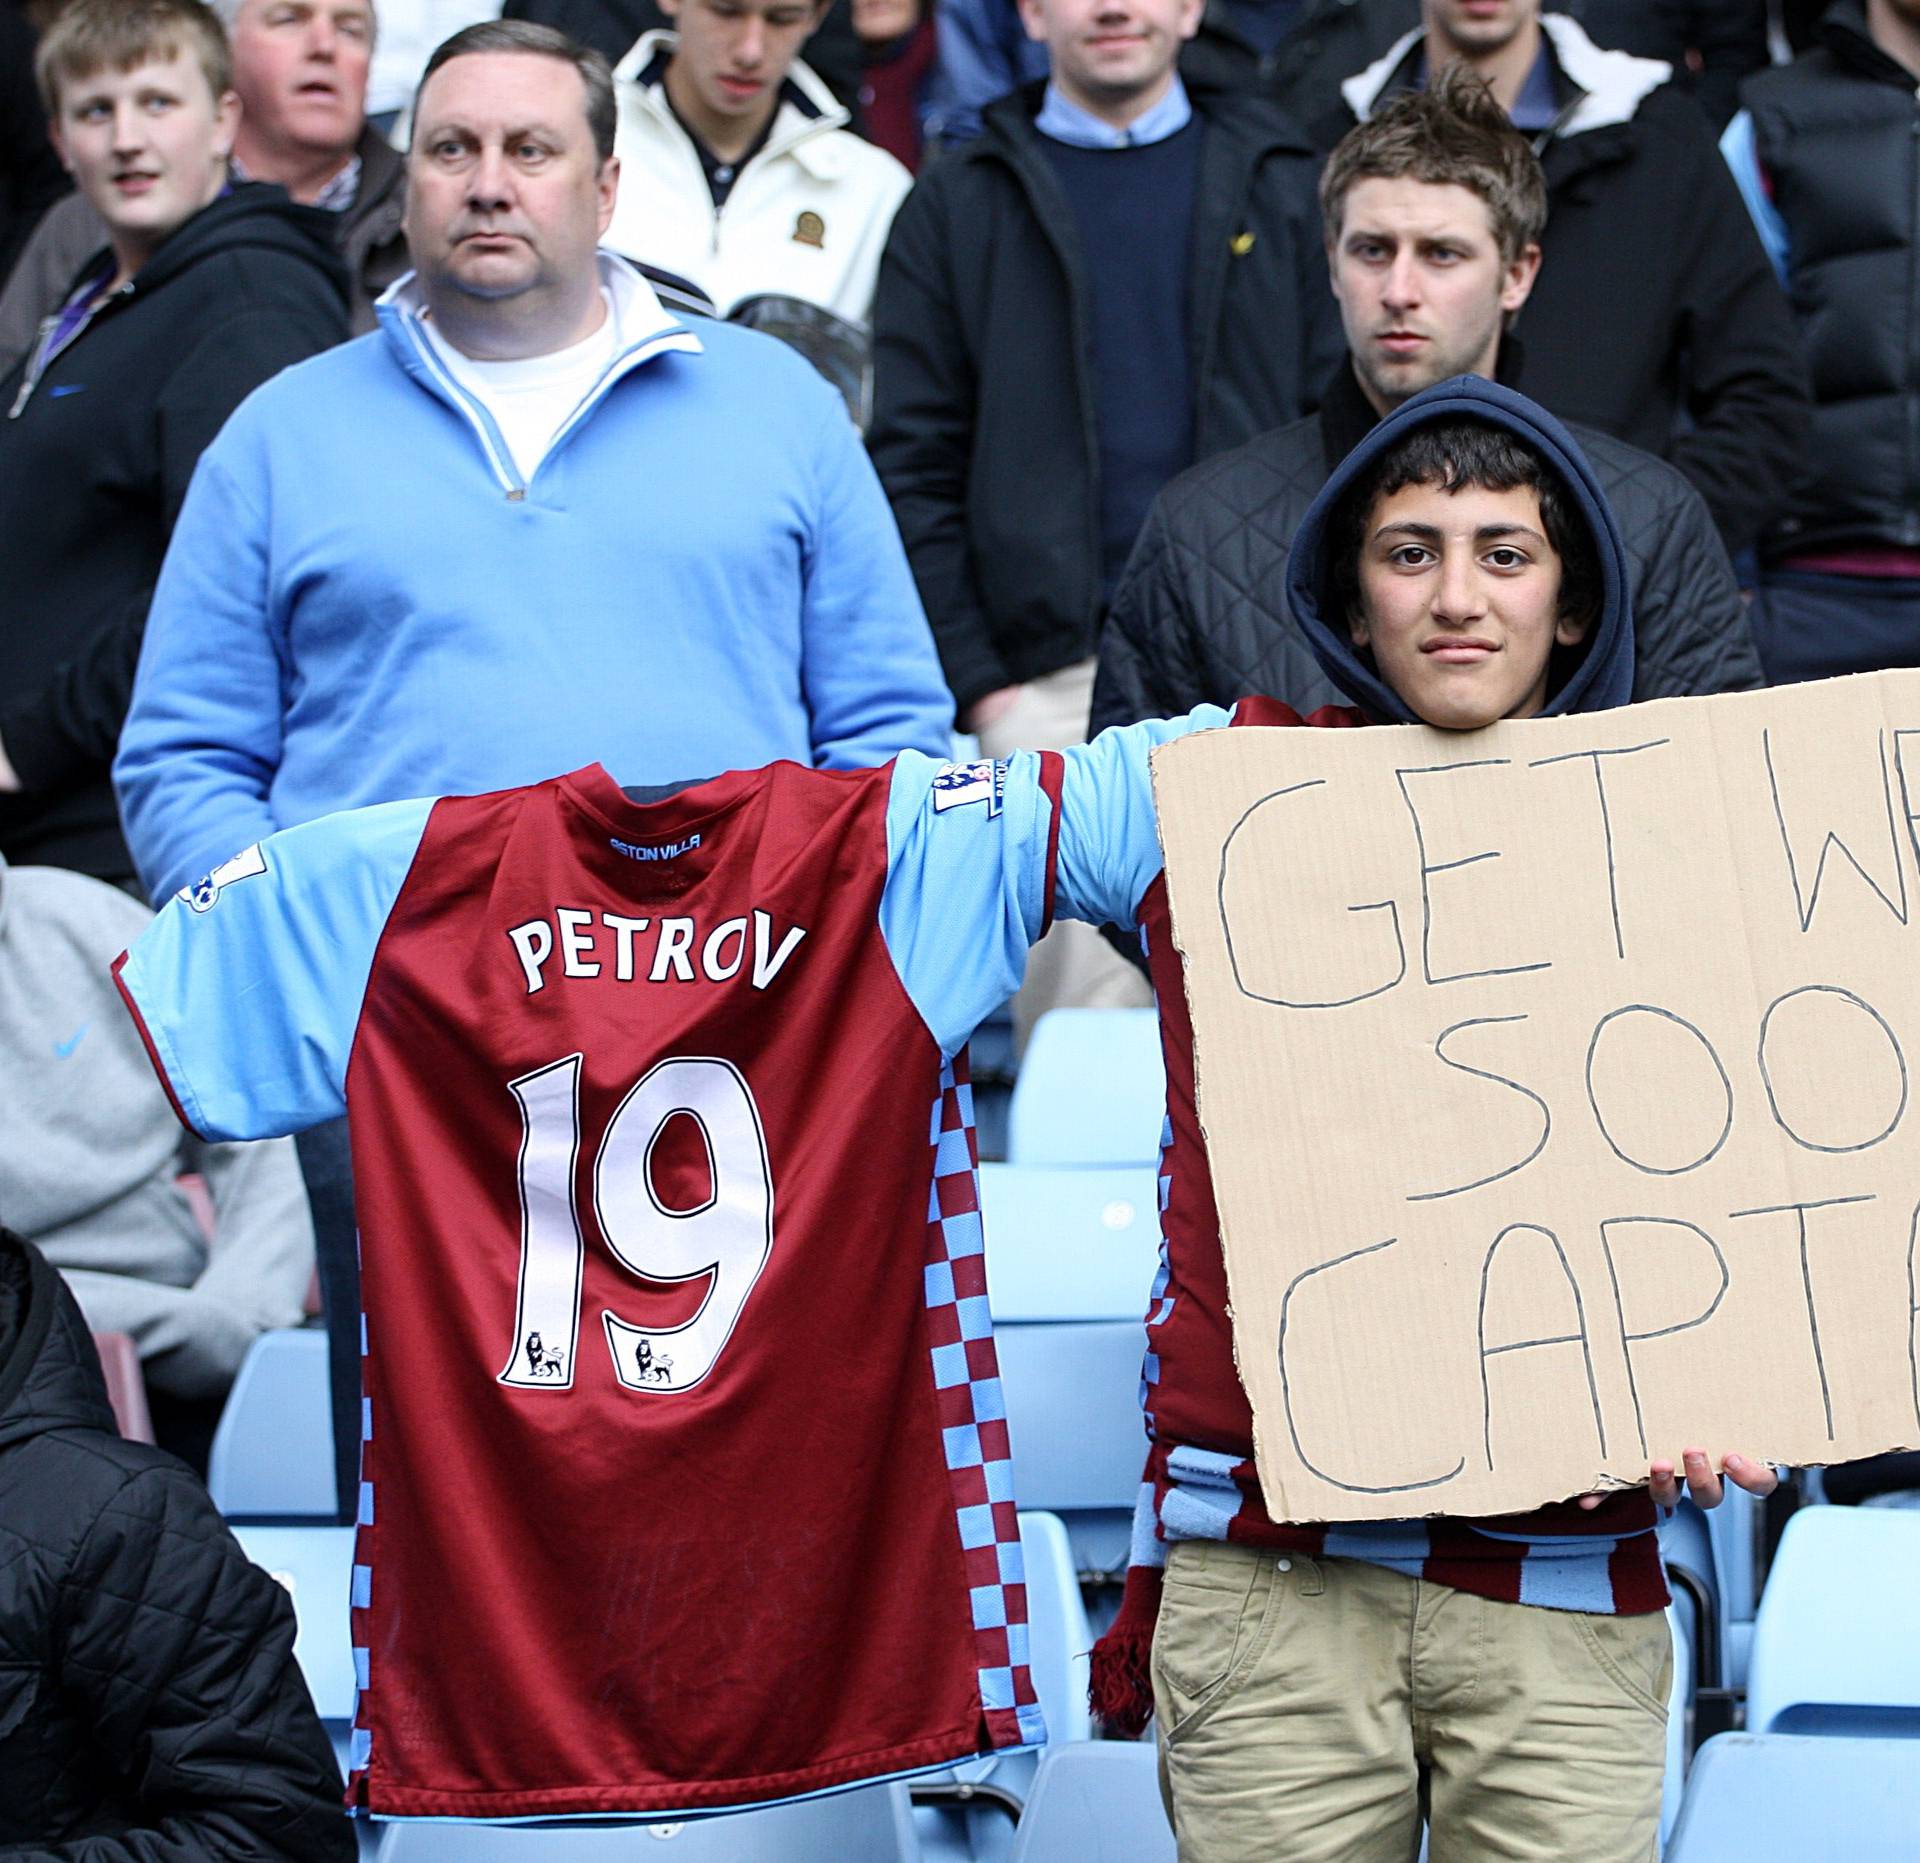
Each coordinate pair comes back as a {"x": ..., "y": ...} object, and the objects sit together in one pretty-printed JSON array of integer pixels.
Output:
[{"x": 150, "y": 1707}]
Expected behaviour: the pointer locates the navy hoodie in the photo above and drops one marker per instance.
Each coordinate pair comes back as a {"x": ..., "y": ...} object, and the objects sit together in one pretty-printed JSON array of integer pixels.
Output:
[{"x": 1602, "y": 675}]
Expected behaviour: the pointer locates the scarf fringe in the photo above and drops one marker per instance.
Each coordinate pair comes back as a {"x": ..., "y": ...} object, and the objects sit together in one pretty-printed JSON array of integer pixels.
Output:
[{"x": 1120, "y": 1691}]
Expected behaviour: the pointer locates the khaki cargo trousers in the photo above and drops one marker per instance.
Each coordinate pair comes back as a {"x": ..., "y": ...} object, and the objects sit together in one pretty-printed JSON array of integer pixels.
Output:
[{"x": 1312, "y": 1710}]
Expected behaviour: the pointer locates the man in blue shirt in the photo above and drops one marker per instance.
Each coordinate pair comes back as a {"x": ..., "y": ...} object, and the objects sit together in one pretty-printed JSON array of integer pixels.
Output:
[{"x": 530, "y": 519}]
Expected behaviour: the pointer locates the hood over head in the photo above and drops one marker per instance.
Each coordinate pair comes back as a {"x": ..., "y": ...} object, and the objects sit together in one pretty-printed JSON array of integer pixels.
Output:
[
  {"x": 1601, "y": 675},
  {"x": 50, "y": 1375}
]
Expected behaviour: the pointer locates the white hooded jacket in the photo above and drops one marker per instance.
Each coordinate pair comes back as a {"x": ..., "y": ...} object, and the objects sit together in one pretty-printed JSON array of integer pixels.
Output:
[{"x": 807, "y": 217}]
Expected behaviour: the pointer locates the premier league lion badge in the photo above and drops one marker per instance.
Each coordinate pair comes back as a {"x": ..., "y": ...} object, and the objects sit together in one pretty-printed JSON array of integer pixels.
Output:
[
  {"x": 202, "y": 894},
  {"x": 961, "y": 783}
]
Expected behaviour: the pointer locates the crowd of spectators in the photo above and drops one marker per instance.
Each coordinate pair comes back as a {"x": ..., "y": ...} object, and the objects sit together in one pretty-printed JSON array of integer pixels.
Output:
[{"x": 376, "y": 423}]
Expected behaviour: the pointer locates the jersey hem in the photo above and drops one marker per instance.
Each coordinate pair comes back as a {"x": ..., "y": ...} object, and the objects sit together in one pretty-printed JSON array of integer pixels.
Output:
[
  {"x": 153, "y": 1051},
  {"x": 930, "y": 1755}
]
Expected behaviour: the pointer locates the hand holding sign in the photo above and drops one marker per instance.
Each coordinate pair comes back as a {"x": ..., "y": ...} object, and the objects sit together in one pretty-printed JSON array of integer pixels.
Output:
[
  {"x": 1702, "y": 1484},
  {"x": 1556, "y": 1082}
]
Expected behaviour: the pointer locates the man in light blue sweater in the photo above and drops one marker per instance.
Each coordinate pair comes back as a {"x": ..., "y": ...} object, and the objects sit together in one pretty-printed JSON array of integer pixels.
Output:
[{"x": 529, "y": 522}]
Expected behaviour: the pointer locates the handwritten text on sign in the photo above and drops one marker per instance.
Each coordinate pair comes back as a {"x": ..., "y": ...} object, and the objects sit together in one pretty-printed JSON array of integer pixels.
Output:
[{"x": 1558, "y": 1089}]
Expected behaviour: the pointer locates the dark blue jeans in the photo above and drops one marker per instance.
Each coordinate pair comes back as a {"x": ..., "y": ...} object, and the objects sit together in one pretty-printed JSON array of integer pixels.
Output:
[{"x": 1811, "y": 626}]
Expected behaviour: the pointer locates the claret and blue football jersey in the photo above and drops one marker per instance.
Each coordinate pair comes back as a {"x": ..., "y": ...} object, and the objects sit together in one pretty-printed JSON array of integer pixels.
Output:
[{"x": 686, "y": 1479}]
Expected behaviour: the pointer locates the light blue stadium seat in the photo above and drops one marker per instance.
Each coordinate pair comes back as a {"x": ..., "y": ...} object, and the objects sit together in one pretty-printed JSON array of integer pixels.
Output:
[
  {"x": 1091, "y": 1090},
  {"x": 1059, "y": 1638},
  {"x": 273, "y": 1451},
  {"x": 1836, "y": 1649},
  {"x": 1776, "y": 1798},
  {"x": 1098, "y": 1802},
  {"x": 1073, "y": 1417},
  {"x": 1679, "y": 1710},
  {"x": 1070, "y": 1244},
  {"x": 1071, "y": 1257},
  {"x": 873, "y": 1824},
  {"x": 315, "y": 1564},
  {"x": 1717, "y": 1553},
  {"x": 1059, "y": 1635}
]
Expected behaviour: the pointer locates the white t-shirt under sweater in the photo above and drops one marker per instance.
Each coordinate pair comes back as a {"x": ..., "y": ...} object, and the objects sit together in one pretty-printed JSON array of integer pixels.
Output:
[{"x": 532, "y": 397}]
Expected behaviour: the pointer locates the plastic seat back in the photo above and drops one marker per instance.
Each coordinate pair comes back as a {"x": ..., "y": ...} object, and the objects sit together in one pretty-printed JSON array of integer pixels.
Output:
[
  {"x": 1717, "y": 1553},
  {"x": 1071, "y": 1259},
  {"x": 1775, "y": 1798},
  {"x": 1065, "y": 1244},
  {"x": 1058, "y": 1633},
  {"x": 273, "y": 1451},
  {"x": 1097, "y": 1802},
  {"x": 126, "y": 1385},
  {"x": 1091, "y": 1090},
  {"x": 1836, "y": 1648}
]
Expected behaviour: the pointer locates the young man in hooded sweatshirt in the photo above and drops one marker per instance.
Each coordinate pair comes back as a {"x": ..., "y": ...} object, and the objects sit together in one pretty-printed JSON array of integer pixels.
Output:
[
  {"x": 203, "y": 290},
  {"x": 1319, "y": 1688},
  {"x": 1461, "y": 567}
]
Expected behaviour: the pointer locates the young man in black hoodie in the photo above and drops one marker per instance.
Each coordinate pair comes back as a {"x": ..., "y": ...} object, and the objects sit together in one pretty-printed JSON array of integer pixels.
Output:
[{"x": 204, "y": 291}]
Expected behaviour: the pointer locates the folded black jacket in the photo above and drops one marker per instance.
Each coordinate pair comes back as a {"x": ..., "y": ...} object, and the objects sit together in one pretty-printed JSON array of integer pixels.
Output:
[
  {"x": 1201, "y": 613},
  {"x": 150, "y": 1707},
  {"x": 96, "y": 451}
]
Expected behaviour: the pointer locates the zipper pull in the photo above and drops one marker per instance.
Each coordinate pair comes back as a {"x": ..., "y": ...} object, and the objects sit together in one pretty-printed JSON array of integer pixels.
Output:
[{"x": 37, "y": 367}]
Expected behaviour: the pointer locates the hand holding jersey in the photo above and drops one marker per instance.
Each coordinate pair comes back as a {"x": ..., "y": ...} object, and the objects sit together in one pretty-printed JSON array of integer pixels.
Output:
[
  {"x": 645, "y": 1101},
  {"x": 521, "y": 994}
]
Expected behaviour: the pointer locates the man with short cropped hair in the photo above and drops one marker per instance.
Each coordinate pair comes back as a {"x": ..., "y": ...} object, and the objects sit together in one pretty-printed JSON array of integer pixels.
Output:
[
  {"x": 300, "y": 72},
  {"x": 743, "y": 175},
  {"x": 531, "y": 521},
  {"x": 595, "y": 534},
  {"x": 1434, "y": 210},
  {"x": 202, "y": 291},
  {"x": 1656, "y": 317}
]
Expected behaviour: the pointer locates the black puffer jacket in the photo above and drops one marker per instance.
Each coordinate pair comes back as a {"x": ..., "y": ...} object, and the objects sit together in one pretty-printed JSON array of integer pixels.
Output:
[
  {"x": 1837, "y": 134},
  {"x": 1201, "y": 613},
  {"x": 150, "y": 1707}
]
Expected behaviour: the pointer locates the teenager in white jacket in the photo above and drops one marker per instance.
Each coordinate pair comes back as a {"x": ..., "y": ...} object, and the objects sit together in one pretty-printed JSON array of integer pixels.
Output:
[{"x": 740, "y": 174}]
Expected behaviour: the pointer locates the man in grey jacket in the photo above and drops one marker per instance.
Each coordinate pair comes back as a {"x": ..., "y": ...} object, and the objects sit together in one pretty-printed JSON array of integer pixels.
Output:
[
  {"x": 91, "y": 1155},
  {"x": 1433, "y": 210}
]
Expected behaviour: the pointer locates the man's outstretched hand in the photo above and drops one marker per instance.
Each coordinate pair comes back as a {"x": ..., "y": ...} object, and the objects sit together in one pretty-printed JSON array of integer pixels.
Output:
[{"x": 1703, "y": 1486}]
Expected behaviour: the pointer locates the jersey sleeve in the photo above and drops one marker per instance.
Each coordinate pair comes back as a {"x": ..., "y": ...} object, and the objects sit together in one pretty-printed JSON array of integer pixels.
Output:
[
  {"x": 1109, "y": 844},
  {"x": 982, "y": 857},
  {"x": 969, "y": 881},
  {"x": 247, "y": 988}
]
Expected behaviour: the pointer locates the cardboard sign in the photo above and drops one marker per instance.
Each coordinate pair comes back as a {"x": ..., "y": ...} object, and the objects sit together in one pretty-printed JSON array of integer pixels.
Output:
[{"x": 1557, "y": 1081}]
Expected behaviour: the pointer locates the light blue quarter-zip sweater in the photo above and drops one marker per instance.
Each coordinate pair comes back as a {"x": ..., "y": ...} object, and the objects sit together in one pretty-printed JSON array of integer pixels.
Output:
[{"x": 363, "y": 601}]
